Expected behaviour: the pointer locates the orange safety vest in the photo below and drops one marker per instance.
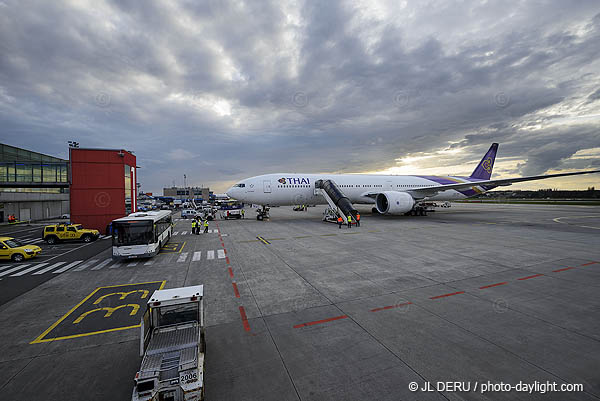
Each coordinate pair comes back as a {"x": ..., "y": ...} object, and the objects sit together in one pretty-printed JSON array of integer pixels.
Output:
[
  {"x": 339, "y": 219},
  {"x": 357, "y": 217}
]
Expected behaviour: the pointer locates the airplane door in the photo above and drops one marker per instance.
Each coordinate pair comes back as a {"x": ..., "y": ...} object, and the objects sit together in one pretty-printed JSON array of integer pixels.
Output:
[
  {"x": 388, "y": 185},
  {"x": 267, "y": 186}
]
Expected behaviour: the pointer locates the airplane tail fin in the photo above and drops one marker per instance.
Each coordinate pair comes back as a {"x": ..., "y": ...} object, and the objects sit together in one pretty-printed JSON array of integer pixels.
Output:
[{"x": 485, "y": 166}]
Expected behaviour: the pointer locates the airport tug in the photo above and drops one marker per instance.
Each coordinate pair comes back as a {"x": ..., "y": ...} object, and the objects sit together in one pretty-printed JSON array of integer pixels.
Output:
[{"x": 172, "y": 345}]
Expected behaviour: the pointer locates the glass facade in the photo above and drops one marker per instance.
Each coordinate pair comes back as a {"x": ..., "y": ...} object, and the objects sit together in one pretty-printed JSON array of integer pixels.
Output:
[
  {"x": 127, "y": 189},
  {"x": 20, "y": 165}
]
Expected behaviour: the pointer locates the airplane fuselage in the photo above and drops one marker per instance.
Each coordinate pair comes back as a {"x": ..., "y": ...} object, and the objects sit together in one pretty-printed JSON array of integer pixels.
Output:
[{"x": 297, "y": 189}]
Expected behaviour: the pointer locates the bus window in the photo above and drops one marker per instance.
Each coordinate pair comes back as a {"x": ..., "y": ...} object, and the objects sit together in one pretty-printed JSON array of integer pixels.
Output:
[{"x": 132, "y": 233}]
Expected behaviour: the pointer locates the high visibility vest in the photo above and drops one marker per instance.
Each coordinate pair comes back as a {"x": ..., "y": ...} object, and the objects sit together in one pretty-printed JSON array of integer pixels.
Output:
[
  {"x": 357, "y": 217},
  {"x": 339, "y": 219},
  {"x": 349, "y": 218},
  {"x": 206, "y": 223},
  {"x": 193, "y": 223}
]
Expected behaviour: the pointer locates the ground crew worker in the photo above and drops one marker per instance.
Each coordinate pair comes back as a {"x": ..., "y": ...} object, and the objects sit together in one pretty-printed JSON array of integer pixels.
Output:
[
  {"x": 206, "y": 226},
  {"x": 357, "y": 219},
  {"x": 349, "y": 220},
  {"x": 340, "y": 221},
  {"x": 242, "y": 212},
  {"x": 194, "y": 225}
]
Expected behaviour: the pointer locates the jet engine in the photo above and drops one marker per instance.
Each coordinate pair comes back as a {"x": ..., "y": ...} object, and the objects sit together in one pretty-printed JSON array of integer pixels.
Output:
[{"x": 393, "y": 202}]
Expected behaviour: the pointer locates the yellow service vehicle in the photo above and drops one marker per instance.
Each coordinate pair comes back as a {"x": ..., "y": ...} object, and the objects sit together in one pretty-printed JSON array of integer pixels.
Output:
[
  {"x": 63, "y": 232},
  {"x": 15, "y": 250}
]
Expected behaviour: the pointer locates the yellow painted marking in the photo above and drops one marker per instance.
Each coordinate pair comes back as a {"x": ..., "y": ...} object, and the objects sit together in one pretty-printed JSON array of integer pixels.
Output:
[
  {"x": 373, "y": 231},
  {"x": 275, "y": 239},
  {"x": 350, "y": 233},
  {"x": 185, "y": 242},
  {"x": 264, "y": 241},
  {"x": 252, "y": 240},
  {"x": 109, "y": 311},
  {"x": 327, "y": 235},
  {"x": 304, "y": 236},
  {"x": 40, "y": 339},
  {"x": 123, "y": 295}
]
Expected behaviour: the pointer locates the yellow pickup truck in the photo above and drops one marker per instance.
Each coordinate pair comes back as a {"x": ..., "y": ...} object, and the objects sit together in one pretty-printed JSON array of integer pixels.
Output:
[
  {"x": 68, "y": 232},
  {"x": 15, "y": 250}
]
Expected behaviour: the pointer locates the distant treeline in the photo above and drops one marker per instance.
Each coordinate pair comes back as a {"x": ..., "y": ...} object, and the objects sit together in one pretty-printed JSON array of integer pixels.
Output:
[{"x": 590, "y": 193}]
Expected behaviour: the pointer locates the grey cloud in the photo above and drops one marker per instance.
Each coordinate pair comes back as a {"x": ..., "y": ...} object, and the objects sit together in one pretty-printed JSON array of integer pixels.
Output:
[{"x": 311, "y": 86}]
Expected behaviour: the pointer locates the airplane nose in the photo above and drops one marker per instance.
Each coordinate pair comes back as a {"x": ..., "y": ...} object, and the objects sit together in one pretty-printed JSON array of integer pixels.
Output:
[{"x": 231, "y": 192}]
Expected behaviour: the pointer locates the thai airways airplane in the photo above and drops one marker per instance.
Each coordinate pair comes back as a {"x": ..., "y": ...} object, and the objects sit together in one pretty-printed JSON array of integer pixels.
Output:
[{"x": 391, "y": 194}]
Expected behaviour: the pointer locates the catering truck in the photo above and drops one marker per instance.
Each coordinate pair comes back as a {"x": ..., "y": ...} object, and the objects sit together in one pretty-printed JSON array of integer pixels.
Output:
[{"x": 172, "y": 346}]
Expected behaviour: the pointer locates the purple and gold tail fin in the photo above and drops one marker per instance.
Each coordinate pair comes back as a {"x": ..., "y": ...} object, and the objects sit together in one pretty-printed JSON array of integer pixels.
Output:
[{"x": 485, "y": 166}]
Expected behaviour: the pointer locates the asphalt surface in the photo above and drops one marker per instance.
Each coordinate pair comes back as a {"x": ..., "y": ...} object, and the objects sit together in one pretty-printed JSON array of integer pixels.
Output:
[
  {"x": 299, "y": 309},
  {"x": 53, "y": 259}
]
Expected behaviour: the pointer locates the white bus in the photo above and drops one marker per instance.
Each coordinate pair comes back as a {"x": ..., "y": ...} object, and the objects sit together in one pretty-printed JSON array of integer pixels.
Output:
[{"x": 141, "y": 234}]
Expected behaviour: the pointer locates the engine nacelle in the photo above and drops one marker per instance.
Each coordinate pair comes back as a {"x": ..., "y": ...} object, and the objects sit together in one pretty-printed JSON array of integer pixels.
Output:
[{"x": 393, "y": 202}]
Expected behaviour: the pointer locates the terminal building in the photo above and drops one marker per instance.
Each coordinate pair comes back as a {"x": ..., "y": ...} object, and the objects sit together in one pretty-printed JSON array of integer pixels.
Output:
[
  {"x": 33, "y": 186},
  {"x": 187, "y": 193},
  {"x": 103, "y": 186},
  {"x": 93, "y": 187}
]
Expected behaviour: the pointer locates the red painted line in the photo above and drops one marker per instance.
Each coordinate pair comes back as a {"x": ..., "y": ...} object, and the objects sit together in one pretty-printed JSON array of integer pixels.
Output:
[
  {"x": 222, "y": 244},
  {"x": 227, "y": 259},
  {"x": 591, "y": 263},
  {"x": 225, "y": 250},
  {"x": 244, "y": 319},
  {"x": 390, "y": 307},
  {"x": 320, "y": 321},
  {"x": 235, "y": 290},
  {"x": 230, "y": 272},
  {"x": 563, "y": 269},
  {"x": 492, "y": 285},
  {"x": 528, "y": 277},
  {"x": 448, "y": 295}
]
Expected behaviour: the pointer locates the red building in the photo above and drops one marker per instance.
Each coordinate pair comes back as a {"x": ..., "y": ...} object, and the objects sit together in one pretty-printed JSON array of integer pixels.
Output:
[{"x": 102, "y": 187}]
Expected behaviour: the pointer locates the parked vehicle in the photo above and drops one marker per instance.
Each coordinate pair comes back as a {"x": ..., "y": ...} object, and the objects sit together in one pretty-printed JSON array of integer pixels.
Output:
[
  {"x": 172, "y": 345},
  {"x": 68, "y": 232},
  {"x": 17, "y": 251},
  {"x": 188, "y": 213}
]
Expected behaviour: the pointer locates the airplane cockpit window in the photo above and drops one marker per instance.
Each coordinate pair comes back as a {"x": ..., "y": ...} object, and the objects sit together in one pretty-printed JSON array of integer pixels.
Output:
[{"x": 239, "y": 186}]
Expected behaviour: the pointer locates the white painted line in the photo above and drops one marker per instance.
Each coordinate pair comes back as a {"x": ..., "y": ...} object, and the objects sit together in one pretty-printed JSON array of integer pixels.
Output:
[
  {"x": 175, "y": 233},
  {"x": 149, "y": 263},
  {"x": 182, "y": 257},
  {"x": 210, "y": 255},
  {"x": 196, "y": 256},
  {"x": 35, "y": 267},
  {"x": 221, "y": 253},
  {"x": 85, "y": 265},
  {"x": 101, "y": 265},
  {"x": 49, "y": 268},
  {"x": 132, "y": 264},
  {"x": 5, "y": 267},
  {"x": 67, "y": 267},
  {"x": 183, "y": 232},
  {"x": 224, "y": 235},
  {"x": 14, "y": 269},
  {"x": 116, "y": 265}
]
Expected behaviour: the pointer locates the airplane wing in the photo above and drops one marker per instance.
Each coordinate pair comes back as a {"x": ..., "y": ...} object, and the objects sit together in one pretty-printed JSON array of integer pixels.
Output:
[{"x": 421, "y": 193}]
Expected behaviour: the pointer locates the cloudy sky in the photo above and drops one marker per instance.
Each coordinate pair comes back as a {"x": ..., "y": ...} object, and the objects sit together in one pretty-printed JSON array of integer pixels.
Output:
[{"x": 220, "y": 90}]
